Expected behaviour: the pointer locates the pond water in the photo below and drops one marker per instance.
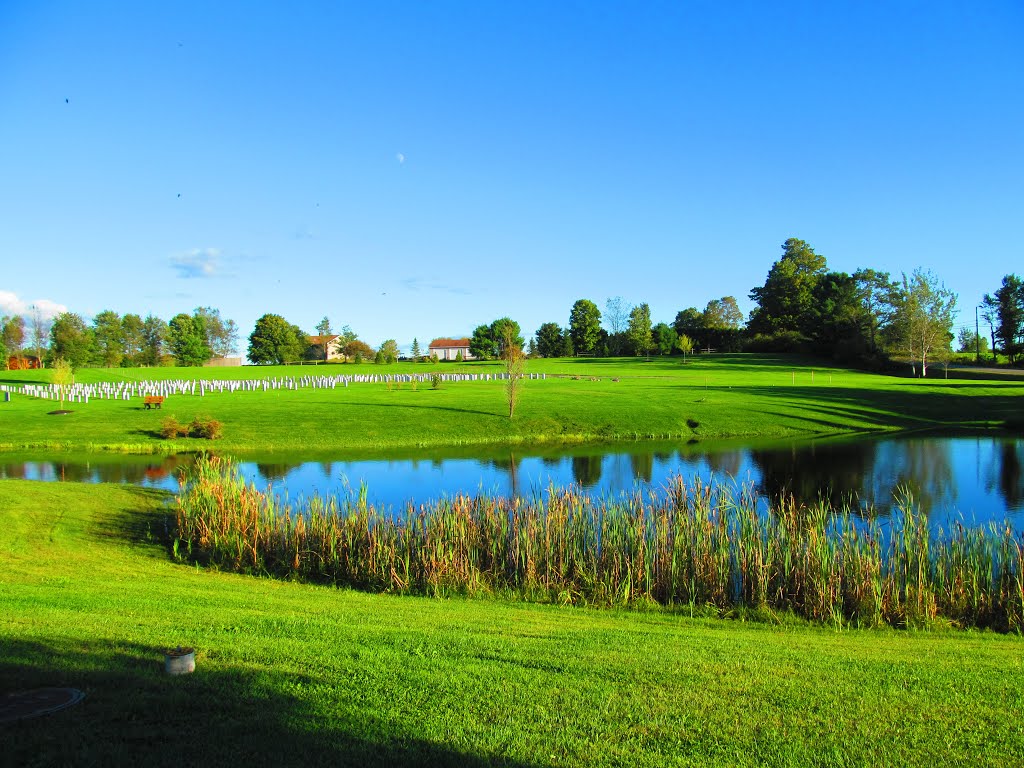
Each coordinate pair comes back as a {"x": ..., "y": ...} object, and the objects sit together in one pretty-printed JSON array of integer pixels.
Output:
[{"x": 972, "y": 479}]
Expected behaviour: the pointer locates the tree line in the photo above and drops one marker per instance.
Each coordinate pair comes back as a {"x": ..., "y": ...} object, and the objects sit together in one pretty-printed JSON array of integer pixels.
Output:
[
  {"x": 866, "y": 318},
  {"x": 111, "y": 340}
]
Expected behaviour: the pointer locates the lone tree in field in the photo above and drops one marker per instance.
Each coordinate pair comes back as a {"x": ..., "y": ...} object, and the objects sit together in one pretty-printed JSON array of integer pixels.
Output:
[
  {"x": 62, "y": 376},
  {"x": 515, "y": 364}
]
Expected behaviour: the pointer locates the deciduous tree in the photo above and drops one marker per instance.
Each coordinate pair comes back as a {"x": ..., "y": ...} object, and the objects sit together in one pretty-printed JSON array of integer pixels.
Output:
[
  {"x": 133, "y": 340},
  {"x": 549, "y": 340},
  {"x": 154, "y": 333},
  {"x": 62, "y": 376},
  {"x": 786, "y": 298},
  {"x": 488, "y": 341},
  {"x": 389, "y": 351},
  {"x": 723, "y": 313},
  {"x": 639, "y": 332},
  {"x": 108, "y": 339},
  {"x": 585, "y": 326},
  {"x": 922, "y": 319},
  {"x": 969, "y": 340},
  {"x": 275, "y": 341},
  {"x": 13, "y": 335},
  {"x": 71, "y": 340},
  {"x": 515, "y": 363},
  {"x": 665, "y": 338},
  {"x": 357, "y": 350},
  {"x": 40, "y": 327},
  {"x": 186, "y": 341},
  {"x": 219, "y": 335},
  {"x": 616, "y": 320},
  {"x": 482, "y": 344}
]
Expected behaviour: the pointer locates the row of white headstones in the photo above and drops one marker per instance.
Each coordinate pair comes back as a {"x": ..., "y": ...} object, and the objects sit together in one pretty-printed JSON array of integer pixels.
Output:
[{"x": 122, "y": 390}]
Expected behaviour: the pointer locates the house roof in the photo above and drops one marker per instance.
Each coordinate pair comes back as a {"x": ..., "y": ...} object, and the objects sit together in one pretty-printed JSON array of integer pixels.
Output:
[
  {"x": 449, "y": 344},
  {"x": 322, "y": 339}
]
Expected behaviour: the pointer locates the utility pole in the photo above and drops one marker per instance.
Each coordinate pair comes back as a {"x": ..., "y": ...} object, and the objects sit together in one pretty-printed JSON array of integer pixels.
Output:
[{"x": 977, "y": 337}]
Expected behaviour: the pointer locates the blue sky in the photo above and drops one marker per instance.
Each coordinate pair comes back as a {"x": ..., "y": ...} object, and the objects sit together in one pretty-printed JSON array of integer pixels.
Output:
[{"x": 417, "y": 169}]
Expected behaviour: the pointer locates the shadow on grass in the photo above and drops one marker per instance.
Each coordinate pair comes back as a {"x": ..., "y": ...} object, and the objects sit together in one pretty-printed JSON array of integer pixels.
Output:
[
  {"x": 887, "y": 408},
  {"x": 149, "y": 521},
  {"x": 135, "y": 714}
]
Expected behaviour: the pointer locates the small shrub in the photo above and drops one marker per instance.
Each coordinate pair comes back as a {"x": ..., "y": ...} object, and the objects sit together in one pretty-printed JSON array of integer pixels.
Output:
[
  {"x": 171, "y": 428},
  {"x": 205, "y": 427},
  {"x": 435, "y": 381}
]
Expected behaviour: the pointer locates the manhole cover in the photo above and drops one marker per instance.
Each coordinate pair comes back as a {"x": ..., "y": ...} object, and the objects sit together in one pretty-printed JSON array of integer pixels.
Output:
[{"x": 41, "y": 701}]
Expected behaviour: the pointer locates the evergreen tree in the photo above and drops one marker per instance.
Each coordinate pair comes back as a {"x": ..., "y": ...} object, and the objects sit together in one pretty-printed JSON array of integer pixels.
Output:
[{"x": 1010, "y": 313}]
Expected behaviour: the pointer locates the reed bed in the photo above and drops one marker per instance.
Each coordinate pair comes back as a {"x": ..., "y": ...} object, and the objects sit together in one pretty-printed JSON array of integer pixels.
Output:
[{"x": 692, "y": 544}]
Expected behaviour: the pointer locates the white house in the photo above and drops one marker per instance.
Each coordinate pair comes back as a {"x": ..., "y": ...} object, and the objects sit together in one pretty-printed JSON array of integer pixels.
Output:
[{"x": 448, "y": 349}]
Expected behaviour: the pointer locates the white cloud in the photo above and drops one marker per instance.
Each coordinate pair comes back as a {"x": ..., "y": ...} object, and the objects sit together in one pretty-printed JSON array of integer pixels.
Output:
[
  {"x": 198, "y": 263},
  {"x": 400, "y": 158},
  {"x": 10, "y": 304},
  {"x": 417, "y": 284}
]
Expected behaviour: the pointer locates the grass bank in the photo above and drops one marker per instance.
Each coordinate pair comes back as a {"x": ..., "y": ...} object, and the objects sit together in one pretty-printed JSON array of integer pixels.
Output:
[
  {"x": 706, "y": 398},
  {"x": 292, "y": 674}
]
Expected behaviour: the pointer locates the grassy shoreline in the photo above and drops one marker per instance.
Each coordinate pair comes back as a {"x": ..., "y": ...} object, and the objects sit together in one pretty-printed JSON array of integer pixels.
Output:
[
  {"x": 297, "y": 674},
  {"x": 707, "y": 398}
]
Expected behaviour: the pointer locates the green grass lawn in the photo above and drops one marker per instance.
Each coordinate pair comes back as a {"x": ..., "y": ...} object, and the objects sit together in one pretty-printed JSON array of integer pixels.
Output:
[
  {"x": 710, "y": 397},
  {"x": 289, "y": 674}
]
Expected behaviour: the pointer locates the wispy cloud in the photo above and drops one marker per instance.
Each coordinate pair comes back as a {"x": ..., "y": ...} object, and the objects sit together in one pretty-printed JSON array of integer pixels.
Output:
[
  {"x": 423, "y": 284},
  {"x": 11, "y": 304},
  {"x": 199, "y": 263}
]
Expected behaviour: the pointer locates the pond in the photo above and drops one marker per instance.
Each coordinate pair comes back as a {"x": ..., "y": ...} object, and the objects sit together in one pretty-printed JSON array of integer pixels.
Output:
[{"x": 972, "y": 479}]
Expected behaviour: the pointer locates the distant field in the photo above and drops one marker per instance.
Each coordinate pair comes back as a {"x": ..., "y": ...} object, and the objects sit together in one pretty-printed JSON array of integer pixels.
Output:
[
  {"x": 289, "y": 674},
  {"x": 708, "y": 397}
]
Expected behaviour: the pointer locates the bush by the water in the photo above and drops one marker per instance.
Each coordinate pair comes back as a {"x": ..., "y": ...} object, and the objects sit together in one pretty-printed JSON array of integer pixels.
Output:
[
  {"x": 693, "y": 545},
  {"x": 200, "y": 427}
]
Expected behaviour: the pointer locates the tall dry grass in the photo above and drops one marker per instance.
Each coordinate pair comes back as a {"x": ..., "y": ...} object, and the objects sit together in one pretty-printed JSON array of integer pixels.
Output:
[{"x": 693, "y": 544}]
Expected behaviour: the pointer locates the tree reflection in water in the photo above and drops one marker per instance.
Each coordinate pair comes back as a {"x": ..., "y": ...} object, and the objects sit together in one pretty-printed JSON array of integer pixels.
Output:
[
  {"x": 830, "y": 472},
  {"x": 586, "y": 470},
  {"x": 1010, "y": 484}
]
